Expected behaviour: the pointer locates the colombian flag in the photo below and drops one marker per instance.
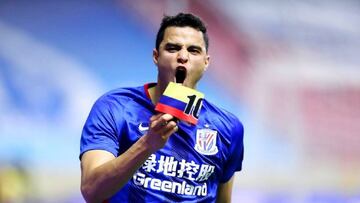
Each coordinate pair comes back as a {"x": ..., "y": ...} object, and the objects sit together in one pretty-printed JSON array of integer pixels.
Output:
[{"x": 181, "y": 102}]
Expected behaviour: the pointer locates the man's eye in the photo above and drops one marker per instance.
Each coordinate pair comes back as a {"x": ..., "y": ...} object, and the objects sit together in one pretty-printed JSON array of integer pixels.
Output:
[
  {"x": 172, "y": 49},
  {"x": 194, "y": 51}
]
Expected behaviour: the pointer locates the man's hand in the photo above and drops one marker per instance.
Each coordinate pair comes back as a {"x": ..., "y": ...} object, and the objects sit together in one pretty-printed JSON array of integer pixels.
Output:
[
  {"x": 103, "y": 174},
  {"x": 160, "y": 129}
]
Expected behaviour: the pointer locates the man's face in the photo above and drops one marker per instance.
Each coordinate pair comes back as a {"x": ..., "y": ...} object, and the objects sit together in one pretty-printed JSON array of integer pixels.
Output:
[{"x": 182, "y": 56}]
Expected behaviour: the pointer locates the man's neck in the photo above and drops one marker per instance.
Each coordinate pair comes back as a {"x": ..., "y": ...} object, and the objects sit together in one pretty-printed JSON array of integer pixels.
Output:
[{"x": 155, "y": 92}]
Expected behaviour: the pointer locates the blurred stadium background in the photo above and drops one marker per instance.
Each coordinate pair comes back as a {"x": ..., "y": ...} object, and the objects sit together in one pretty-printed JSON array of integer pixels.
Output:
[{"x": 290, "y": 70}]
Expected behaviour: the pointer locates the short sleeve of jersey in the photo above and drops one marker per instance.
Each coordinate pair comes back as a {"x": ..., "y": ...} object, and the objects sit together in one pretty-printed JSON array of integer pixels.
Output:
[
  {"x": 236, "y": 153},
  {"x": 100, "y": 131}
]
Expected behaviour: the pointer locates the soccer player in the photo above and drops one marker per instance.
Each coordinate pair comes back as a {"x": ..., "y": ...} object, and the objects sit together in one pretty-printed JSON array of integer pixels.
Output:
[{"x": 131, "y": 153}]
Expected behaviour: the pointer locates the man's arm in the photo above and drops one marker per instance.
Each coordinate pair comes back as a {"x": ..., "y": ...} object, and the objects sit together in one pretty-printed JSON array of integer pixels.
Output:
[
  {"x": 102, "y": 175},
  {"x": 224, "y": 191}
]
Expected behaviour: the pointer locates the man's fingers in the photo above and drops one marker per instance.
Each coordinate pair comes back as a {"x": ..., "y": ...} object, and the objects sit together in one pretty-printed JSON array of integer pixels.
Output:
[
  {"x": 168, "y": 116},
  {"x": 154, "y": 117},
  {"x": 160, "y": 122},
  {"x": 171, "y": 128},
  {"x": 155, "y": 121},
  {"x": 161, "y": 128}
]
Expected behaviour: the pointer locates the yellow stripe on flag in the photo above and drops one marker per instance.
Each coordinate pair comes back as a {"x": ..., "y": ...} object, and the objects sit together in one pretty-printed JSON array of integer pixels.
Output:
[{"x": 180, "y": 92}]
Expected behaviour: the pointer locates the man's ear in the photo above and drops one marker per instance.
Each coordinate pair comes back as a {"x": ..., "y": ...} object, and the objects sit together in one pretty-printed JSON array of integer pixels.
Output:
[
  {"x": 155, "y": 56},
  {"x": 207, "y": 62}
]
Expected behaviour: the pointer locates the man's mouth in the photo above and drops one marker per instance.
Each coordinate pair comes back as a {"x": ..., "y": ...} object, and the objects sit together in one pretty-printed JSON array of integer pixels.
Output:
[{"x": 180, "y": 74}]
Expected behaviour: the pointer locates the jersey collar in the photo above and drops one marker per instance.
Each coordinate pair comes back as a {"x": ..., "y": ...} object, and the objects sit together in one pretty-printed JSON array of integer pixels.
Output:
[{"x": 147, "y": 86}]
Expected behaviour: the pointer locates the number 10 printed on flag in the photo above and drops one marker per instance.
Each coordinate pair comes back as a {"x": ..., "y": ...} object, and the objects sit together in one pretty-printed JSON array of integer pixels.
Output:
[{"x": 181, "y": 102}]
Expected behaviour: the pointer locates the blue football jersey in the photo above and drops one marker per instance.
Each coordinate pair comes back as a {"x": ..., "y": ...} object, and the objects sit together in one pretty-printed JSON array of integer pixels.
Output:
[{"x": 191, "y": 165}]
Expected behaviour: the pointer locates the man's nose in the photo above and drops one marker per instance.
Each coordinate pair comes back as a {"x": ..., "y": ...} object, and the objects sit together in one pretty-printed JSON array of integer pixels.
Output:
[{"x": 183, "y": 56}]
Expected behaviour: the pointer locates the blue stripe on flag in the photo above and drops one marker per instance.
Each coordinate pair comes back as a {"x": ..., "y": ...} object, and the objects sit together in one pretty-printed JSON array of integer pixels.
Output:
[{"x": 173, "y": 102}]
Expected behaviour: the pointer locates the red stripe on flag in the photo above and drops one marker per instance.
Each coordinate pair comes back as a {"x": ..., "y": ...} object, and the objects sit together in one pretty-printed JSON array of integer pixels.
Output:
[{"x": 176, "y": 112}]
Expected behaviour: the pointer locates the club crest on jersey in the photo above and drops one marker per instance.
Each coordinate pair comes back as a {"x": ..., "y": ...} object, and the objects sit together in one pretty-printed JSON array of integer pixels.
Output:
[{"x": 206, "y": 141}]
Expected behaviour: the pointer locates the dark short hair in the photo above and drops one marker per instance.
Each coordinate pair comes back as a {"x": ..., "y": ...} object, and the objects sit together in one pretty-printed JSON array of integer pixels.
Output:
[{"x": 182, "y": 20}]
